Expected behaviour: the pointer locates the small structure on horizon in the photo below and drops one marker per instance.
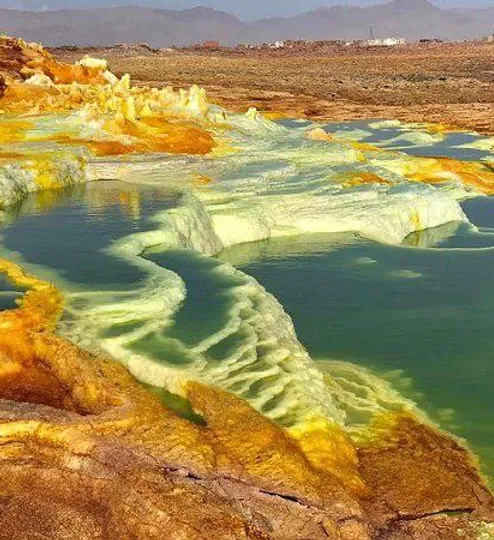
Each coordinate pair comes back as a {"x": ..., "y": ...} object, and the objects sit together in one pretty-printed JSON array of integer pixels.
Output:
[
  {"x": 275, "y": 45},
  {"x": 386, "y": 42}
]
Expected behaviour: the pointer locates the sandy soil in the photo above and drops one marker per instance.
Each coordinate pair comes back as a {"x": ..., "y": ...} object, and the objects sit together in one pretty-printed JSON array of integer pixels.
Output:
[{"x": 447, "y": 83}]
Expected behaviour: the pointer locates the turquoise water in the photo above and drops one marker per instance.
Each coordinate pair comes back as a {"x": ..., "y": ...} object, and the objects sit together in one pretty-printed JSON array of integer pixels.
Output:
[
  {"x": 219, "y": 331},
  {"x": 69, "y": 235},
  {"x": 390, "y": 135},
  {"x": 400, "y": 137},
  {"x": 427, "y": 313}
]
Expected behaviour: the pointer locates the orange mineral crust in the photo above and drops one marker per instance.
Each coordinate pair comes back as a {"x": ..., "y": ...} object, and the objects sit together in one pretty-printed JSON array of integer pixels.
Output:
[
  {"x": 160, "y": 135},
  {"x": 361, "y": 178},
  {"x": 120, "y": 131},
  {"x": 104, "y": 458},
  {"x": 472, "y": 174},
  {"x": 20, "y": 60}
]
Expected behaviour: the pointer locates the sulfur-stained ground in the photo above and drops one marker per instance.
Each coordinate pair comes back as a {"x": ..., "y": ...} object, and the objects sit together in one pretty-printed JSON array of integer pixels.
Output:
[{"x": 447, "y": 83}]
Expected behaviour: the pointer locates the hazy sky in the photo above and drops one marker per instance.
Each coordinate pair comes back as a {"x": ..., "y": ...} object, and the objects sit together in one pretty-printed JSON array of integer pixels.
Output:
[{"x": 245, "y": 9}]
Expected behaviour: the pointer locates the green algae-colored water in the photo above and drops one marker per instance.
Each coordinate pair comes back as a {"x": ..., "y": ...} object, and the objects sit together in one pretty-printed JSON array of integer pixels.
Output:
[
  {"x": 422, "y": 318},
  {"x": 425, "y": 316}
]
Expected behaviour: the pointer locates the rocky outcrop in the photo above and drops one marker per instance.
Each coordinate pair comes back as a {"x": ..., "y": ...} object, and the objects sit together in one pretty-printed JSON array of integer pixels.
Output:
[
  {"x": 20, "y": 60},
  {"x": 15, "y": 57},
  {"x": 117, "y": 119}
]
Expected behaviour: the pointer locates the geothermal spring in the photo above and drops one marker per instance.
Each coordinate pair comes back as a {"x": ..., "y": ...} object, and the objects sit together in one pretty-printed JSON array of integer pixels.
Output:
[{"x": 325, "y": 273}]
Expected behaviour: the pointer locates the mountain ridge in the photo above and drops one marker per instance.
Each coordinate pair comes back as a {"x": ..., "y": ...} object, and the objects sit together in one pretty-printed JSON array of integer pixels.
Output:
[{"x": 410, "y": 19}]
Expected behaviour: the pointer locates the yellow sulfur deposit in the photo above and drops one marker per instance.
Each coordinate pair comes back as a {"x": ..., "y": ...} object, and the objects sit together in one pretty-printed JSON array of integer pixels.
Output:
[
  {"x": 40, "y": 307},
  {"x": 472, "y": 174},
  {"x": 352, "y": 179},
  {"x": 130, "y": 120},
  {"x": 329, "y": 448}
]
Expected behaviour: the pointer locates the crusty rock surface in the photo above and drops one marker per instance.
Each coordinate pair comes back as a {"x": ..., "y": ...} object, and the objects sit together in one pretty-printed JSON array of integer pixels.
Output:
[
  {"x": 420, "y": 479},
  {"x": 20, "y": 60}
]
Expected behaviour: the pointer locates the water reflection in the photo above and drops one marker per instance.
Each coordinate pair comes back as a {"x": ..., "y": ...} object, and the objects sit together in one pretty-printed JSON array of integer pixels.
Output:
[{"x": 69, "y": 230}]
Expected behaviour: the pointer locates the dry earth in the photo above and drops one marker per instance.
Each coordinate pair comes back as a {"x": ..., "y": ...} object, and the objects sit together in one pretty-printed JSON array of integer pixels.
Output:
[{"x": 447, "y": 83}]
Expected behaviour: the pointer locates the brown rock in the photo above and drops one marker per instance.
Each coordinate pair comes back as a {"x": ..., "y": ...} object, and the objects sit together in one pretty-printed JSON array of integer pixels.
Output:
[{"x": 417, "y": 472}]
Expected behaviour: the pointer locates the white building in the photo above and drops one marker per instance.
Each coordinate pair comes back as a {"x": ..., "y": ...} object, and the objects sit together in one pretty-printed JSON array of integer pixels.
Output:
[{"x": 386, "y": 42}]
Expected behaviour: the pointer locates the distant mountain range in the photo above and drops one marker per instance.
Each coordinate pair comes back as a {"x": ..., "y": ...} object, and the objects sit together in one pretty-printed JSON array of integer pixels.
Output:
[{"x": 411, "y": 19}]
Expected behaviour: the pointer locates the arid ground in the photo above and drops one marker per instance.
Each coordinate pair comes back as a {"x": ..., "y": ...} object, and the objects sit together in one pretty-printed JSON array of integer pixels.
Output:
[{"x": 448, "y": 83}]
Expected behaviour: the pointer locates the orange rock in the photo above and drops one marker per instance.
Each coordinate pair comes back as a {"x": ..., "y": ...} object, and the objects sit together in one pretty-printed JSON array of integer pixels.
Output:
[{"x": 318, "y": 134}]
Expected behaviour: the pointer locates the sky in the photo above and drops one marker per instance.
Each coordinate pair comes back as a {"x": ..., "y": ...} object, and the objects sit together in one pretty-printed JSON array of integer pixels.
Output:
[{"x": 245, "y": 9}]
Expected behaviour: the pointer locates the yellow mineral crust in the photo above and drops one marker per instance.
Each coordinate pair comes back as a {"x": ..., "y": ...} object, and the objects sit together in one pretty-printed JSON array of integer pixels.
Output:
[
  {"x": 130, "y": 119},
  {"x": 363, "y": 147},
  {"x": 329, "y": 448},
  {"x": 40, "y": 307},
  {"x": 352, "y": 179},
  {"x": 14, "y": 131},
  {"x": 100, "y": 453},
  {"x": 474, "y": 174}
]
